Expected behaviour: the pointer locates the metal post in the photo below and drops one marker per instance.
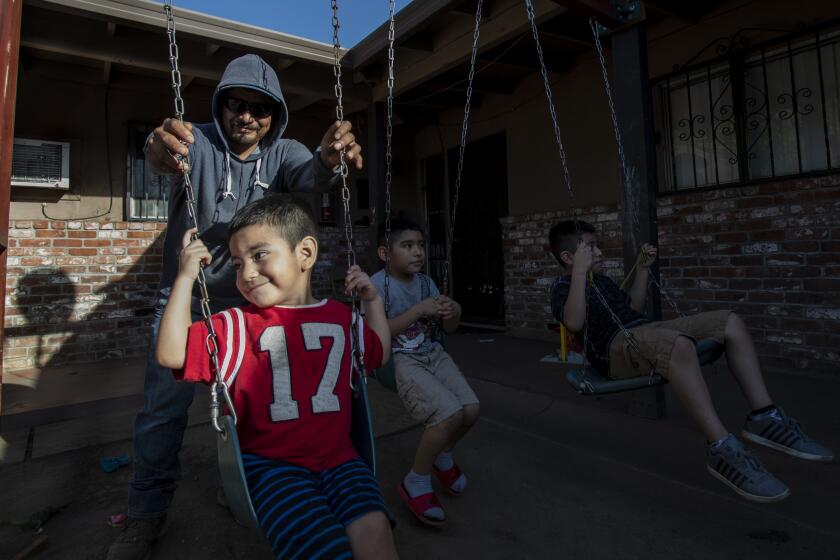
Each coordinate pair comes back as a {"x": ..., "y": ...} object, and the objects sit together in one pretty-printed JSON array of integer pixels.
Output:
[
  {"x": 10, "y": 12},
  {"x": 635, "y": 115}
]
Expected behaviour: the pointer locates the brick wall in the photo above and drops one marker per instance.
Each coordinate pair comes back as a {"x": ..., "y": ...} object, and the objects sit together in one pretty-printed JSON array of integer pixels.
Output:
[
  {"x": 85, "y": 291},
  {"x": 770, "y": 252}
]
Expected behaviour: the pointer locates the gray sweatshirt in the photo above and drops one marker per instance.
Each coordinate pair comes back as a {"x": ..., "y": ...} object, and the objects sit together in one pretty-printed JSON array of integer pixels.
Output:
[{"x": 223, "y": 183}]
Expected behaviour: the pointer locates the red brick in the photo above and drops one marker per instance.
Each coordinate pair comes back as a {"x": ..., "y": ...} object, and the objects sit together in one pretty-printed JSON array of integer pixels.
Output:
[
  {"x": 67, "y": 243},
  {"x": 82, "y": 252},
  {"x": 48, "y": 233},
  {"x": 40, "y": 224},
  {"x": 74, "y": 234}
]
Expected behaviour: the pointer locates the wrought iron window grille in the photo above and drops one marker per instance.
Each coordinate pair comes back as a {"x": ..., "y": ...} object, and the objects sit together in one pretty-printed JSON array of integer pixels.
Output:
[{"x": 751, "y": 112}]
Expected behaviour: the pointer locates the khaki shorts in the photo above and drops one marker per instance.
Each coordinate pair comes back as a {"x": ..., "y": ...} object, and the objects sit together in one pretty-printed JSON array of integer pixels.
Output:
[
  {"x": 431, "y": 386},
  {"x": 655, "y": 341}
]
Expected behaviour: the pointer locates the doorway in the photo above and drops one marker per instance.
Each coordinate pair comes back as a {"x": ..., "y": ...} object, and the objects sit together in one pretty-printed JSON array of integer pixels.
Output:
[{"x": 477, "y": 264}]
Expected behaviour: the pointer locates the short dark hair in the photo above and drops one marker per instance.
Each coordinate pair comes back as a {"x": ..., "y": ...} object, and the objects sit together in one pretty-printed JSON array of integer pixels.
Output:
[
  {"x": 398, "y": 226},
  {"x": 564, "y": 236},
  {"x": 291, "y": 218}
]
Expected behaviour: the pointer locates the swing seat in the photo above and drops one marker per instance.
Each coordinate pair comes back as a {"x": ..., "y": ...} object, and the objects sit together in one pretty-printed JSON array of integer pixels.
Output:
[
  {"x": 361, "y": 426},
  {"x": 587, "y": 381},
  {"x": 232, "y": 473}
]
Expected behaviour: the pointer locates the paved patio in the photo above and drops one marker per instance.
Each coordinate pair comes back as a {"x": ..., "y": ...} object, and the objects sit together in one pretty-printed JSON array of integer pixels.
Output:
[{"x": 551, "y": 473}]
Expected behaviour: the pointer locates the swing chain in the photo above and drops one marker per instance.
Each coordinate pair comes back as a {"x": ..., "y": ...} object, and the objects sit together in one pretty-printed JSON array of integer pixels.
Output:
[
  {"x": 344, "y": 171},
  {"x": 529, "y": 7},
  {"x": 219, "y": 386},
  {"x": 389, "y": 129},
  {"x": 462, "y": 147},
  {"x": 625, "y": 172}
]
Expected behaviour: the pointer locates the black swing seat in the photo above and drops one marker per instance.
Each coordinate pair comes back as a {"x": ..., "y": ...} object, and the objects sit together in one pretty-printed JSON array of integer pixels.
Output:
[{"x": 587, "y": 381}]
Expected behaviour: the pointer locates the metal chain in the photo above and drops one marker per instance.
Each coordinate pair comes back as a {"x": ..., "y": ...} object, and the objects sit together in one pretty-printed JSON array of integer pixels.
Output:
[
  {"x": 625, "y": 172},
  {"x": 461, "y": 148},
  {"x": 355, "y": 348},
  {"x": 389, "y": 130},
  {"x": 211, "y": 343},
  {"x": 529, "y": 7}
]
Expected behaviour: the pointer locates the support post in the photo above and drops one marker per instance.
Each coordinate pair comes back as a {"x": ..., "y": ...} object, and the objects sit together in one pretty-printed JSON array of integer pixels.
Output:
[
  {"x": 10, "y": 13},
  {"x": 634, "y": 108}
]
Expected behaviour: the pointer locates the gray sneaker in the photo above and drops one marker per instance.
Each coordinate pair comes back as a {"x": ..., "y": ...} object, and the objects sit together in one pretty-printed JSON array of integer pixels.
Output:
[
  {"x": 781, "y": 432},
  {"x": 136, "y": 539},
  {"x": 740, "y": 470}
]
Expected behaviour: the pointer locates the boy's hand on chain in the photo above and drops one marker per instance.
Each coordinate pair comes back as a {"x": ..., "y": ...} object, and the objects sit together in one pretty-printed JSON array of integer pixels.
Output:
[
  {"x": 359, "y": 281},
  {"x": 194, "y": 255},
  {"x": 648, "y": 256}
]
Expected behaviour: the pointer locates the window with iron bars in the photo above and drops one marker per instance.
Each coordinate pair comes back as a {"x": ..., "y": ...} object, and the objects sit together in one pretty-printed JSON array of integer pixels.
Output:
[
  {"x": 763, "y": 112},
  {"x": 146, "y": 192}
]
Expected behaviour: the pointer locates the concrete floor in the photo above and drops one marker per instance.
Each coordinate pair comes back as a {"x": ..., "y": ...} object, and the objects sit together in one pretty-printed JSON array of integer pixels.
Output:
[{"x": 552, "y": 474}]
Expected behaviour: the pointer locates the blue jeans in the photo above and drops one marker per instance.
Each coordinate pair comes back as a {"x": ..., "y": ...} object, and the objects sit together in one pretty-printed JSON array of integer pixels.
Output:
[{"x": 158, "y": 435}]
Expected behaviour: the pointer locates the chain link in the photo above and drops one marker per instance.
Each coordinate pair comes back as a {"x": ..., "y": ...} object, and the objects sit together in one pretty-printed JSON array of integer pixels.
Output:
[
  {"x": 529, "y": 8},
  {"x": 219, "y": 386},
  {"x": 627, "y": 179},
  {"x": 389, "y": 130},
  {"x": 344, "y": 171},
  {"x": 450, "y": 239}
]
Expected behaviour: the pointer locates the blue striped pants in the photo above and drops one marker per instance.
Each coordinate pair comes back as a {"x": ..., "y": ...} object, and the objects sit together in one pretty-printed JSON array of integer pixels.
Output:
[{"x": 303, "y": 513}]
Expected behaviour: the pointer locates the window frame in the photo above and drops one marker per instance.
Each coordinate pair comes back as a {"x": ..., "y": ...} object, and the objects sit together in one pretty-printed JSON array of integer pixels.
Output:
[{"x": 737, "y": 54}]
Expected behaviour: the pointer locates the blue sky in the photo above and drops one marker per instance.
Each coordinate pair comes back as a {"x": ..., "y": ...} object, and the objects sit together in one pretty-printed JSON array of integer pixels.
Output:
[{"x": 306, "y": 18}]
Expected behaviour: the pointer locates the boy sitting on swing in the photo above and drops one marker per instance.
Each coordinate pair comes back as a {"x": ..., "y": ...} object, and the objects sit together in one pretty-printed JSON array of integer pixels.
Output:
[
  {"x": 429, "y": 383},
  {"x": 668, "y": 348},
  {"x": 287, "y": 361}
]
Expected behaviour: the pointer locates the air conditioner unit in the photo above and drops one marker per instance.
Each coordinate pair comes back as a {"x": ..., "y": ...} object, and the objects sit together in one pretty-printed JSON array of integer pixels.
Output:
[{"x": 37, "y": 163}]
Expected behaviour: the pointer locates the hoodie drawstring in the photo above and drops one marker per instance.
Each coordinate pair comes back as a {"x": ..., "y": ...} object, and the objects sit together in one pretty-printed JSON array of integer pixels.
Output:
[
  {"x": 228, "y": 179},
  {"x": 257, "y": 182}
]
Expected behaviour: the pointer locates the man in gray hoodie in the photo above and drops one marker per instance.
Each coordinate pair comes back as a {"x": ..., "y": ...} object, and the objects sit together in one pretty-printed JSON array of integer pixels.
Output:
[{"x": 236, "y": 159}]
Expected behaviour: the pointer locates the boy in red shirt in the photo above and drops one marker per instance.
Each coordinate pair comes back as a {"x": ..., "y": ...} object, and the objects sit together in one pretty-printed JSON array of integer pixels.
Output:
[{"x": 286, "y": 359}]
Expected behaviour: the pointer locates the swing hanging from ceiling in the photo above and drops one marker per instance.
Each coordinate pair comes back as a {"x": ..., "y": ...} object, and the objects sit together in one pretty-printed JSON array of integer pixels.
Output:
[
  {"x": 387, "y": 375},
  {"x": 586, "y": 380},
  {"x": 222, "y": 412}
]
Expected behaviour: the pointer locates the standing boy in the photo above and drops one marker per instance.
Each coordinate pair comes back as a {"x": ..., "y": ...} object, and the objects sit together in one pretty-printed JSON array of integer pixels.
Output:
[
  {"x": 286, "y": 359},
  {"x": 429, "y": 383},
  {"x": 668, "y": 348}
]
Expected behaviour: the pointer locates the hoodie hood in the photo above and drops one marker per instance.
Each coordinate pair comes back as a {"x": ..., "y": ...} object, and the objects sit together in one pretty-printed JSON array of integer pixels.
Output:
[{"x": 252, "y": 72}]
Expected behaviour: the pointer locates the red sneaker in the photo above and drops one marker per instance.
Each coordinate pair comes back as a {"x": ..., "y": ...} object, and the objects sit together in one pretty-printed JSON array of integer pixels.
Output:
[
  {"x": 448, "y": 477},
  {"x": 419, "y": 505}
]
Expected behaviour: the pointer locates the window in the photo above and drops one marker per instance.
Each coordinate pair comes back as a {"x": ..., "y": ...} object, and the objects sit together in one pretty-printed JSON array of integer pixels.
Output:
[
  {"x": 768, "y": 111},
  {"x": 146, "y": 196}
]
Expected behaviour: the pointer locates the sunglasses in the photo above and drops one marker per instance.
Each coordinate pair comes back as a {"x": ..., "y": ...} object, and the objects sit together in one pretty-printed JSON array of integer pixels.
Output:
[{"x": 256, "y": 110}]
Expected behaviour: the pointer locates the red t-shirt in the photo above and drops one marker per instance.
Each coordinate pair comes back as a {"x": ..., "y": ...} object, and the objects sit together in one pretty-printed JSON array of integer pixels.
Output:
[{"x": 288, "y": 370}]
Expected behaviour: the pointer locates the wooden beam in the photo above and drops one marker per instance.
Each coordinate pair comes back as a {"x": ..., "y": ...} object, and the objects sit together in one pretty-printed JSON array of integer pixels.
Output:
[
  {"x": 211, "y": 48},
  {"x": 691, "y": 11},
  {"x": 508, "y": 22},
  {"x": 423, "y": 41},
  {"x": 415, "y": 17},
  {"x": 112, "y": 29},
  {"x": 603, "y": 10},
  {"x": 106, "y": 72},
  {"x": 304, "y": 79},
  {"x": 283, "y": 63}
]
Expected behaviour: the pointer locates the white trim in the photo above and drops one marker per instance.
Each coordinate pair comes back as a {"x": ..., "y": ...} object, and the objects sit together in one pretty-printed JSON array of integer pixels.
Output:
[
  {"x": 240, "y": 352},
  {"x": 228, "y": 344},
  {"x": 305, "y": 306}
]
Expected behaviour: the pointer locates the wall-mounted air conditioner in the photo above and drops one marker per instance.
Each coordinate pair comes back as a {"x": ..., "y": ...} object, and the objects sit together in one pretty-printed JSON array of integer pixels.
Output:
[{"x": 42, "y": 164}]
